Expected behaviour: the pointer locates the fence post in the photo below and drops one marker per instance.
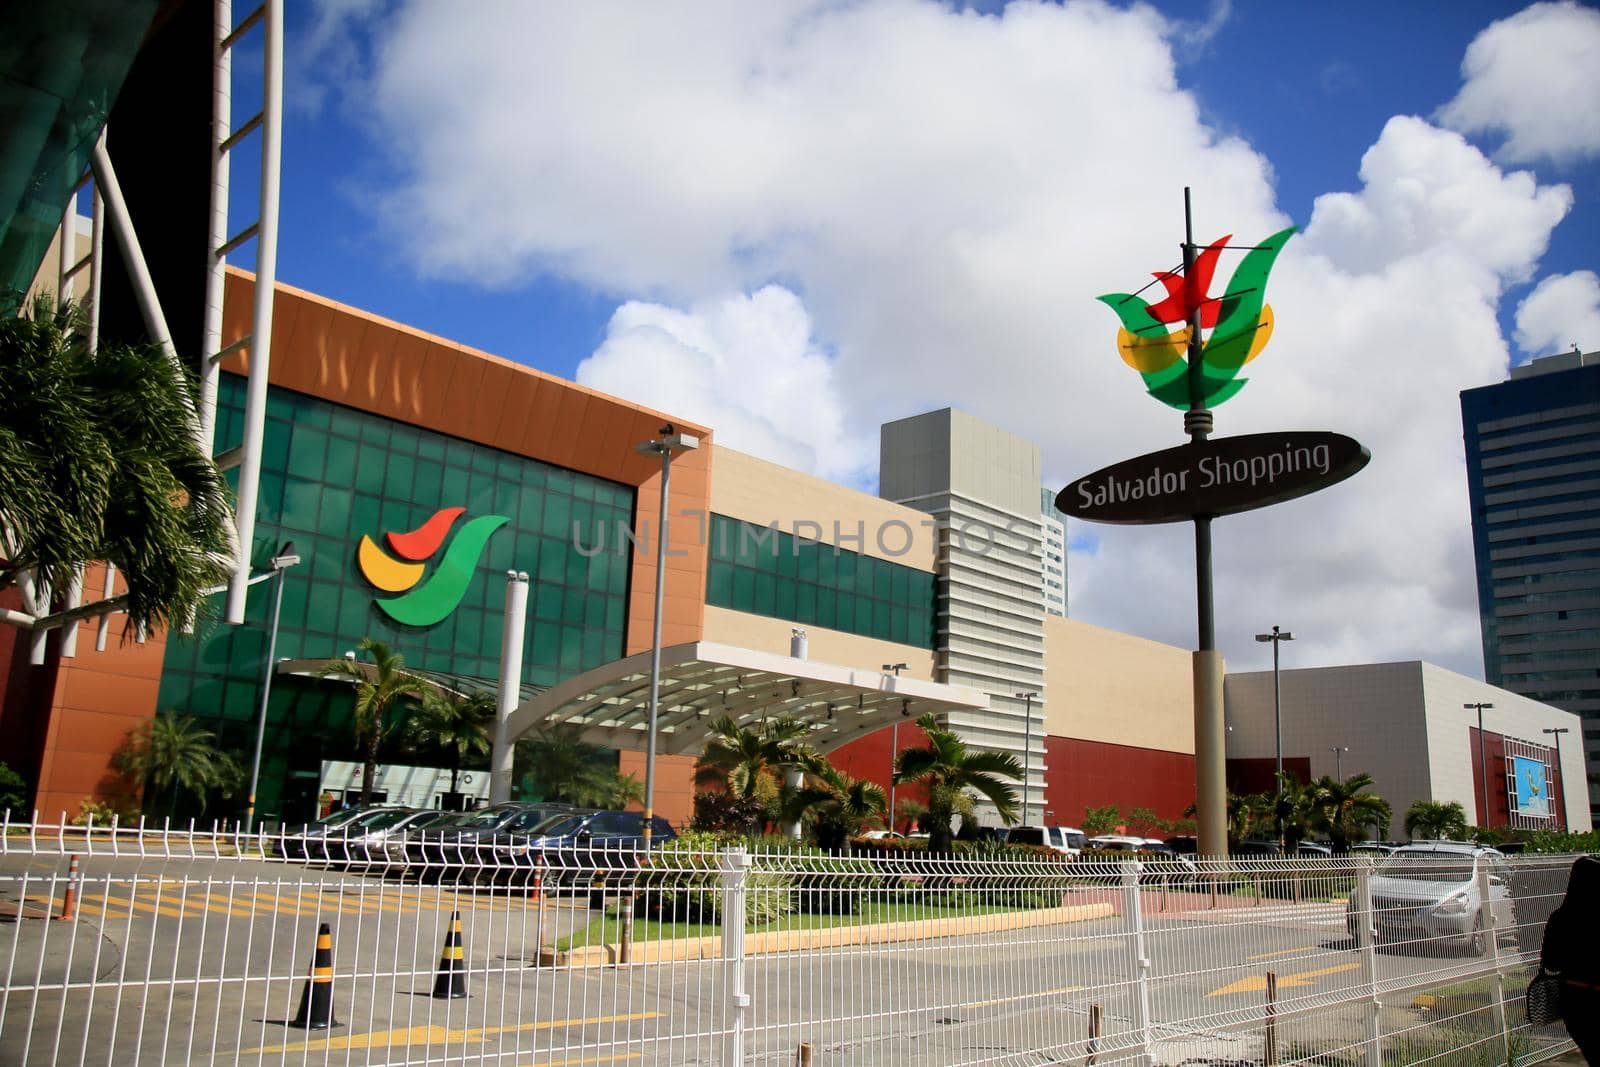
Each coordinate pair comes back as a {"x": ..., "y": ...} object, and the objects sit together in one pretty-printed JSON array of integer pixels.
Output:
[
  {"x": 1133, "y": 909},
  {"x": 735, "y": 864},
  {"x": 1491, "y": 931},
  {"x": 1367, "y": 945}
]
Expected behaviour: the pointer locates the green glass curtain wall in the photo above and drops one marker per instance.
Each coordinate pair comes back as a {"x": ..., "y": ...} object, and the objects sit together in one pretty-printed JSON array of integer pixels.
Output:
[
  {"x": 331, "y": 474},
  {"x": 765, "y": 572}
]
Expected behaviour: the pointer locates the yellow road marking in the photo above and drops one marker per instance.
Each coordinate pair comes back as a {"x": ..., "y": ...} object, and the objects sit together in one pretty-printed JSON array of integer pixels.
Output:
[
  {"x": 589, "y": 1059},
  {"x": 1257, "y": 983},
  {"x": 439, "y": 1035},
  {"x": 1023, "y": 996},
  {"x": 1283, "y": 952},
  {"x": 138, "y": 905}
]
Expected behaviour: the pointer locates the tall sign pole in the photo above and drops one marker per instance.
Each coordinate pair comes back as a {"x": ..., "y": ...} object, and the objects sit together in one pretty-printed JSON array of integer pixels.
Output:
[
  {"x": 1210, "y": 736},
  {"x": 1185, "y": 368}
]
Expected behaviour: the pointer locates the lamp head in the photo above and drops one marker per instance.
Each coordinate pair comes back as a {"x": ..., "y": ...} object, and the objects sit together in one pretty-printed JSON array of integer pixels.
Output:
[{"x": 286, "y": 557}]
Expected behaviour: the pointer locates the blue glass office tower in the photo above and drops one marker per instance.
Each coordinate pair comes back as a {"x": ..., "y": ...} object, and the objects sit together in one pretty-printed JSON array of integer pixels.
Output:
[{"x": 1533, "y": 474}]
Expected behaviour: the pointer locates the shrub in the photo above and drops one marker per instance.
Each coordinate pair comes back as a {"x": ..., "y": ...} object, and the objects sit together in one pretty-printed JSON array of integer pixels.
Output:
[
  {"x": 683, "y": 883},
  {"x": 103, "y": 811},
  {"x": 13, "y": 793},
  {"x": 719, "y": 812}
]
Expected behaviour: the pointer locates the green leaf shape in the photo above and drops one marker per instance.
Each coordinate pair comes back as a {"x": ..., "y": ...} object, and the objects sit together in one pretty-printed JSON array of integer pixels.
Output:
[
  {"x": 1243, "y": 298},
  {"x": 1225, "y": 352},
  {"x": 438, "y": 596},
  {"x": 1133, "y": 311}
]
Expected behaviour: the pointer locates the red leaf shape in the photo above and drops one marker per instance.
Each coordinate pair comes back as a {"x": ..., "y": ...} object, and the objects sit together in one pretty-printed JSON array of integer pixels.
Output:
[
  {"x": 1185, "y": 295},
  {"x": 425, "y": 539}
]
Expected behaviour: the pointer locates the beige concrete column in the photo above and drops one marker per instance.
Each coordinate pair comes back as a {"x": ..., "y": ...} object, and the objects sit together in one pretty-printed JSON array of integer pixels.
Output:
[{"x": 1210, "y": 755}]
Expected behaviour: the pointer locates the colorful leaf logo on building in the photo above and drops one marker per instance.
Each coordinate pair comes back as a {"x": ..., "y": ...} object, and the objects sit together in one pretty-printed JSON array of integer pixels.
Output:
[
  {"x": 426, "y": 604},
  {"x": 1240, "y": 322}
]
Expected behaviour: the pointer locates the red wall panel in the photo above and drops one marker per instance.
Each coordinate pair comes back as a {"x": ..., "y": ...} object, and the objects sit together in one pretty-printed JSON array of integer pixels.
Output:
[{"x": 1085, "y": 774}]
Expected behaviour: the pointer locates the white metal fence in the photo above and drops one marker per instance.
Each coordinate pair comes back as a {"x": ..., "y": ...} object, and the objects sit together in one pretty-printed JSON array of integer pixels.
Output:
[{"x": 192, "y": 947}]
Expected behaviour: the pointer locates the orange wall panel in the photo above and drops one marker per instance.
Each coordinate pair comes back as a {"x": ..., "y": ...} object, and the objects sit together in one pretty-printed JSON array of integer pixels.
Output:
[
  {"x": 674, "y": 784},
  {"x": 99, "y": 698}
]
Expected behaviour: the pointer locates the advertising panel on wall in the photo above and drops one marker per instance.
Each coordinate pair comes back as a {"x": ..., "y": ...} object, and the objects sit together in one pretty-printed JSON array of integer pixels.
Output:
[{"x": 1530, "y": 786}]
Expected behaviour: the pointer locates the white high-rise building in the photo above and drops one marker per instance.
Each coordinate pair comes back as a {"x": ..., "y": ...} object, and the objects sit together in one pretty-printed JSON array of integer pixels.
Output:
[{"x": 1054, "y": 574}]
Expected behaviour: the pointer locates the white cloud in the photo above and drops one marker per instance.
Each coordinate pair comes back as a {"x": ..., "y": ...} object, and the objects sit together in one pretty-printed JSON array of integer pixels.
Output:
[
  {"x": 1428, "y": 189},
  {"x": 941, "y": 195},
  {"x": 1562, "y": 311},
  {"x": 1531, "y": 77},
  {"x": 746, "y": 366}
]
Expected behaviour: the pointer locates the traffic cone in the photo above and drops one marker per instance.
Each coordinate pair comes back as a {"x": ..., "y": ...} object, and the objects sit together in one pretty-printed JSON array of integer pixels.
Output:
[
  {"x": 69, "y": 899},
  {"x": 451, "y": 984},
  {"x": 316, "y": 999}
]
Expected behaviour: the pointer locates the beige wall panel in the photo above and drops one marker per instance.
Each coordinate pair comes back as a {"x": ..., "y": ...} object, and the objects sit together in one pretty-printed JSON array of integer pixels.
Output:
[
  {"x": 1101, "y": 685},
  {"x": 729, "y": 627},
  {"x": 757, "y": 491}
]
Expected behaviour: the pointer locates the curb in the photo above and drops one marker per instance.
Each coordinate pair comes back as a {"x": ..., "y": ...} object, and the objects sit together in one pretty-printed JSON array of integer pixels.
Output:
[{"x": 759, "y": 943}]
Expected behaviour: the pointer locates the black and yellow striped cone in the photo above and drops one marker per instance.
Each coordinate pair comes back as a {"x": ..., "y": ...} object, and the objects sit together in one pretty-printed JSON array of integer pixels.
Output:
[
  {"x": 316, "y": 999},
  {"x": 451, "y": 984}
]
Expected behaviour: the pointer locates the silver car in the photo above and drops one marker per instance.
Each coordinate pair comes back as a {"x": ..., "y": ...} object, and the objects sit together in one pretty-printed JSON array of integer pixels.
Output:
[{"x": 1427, "y": 895}]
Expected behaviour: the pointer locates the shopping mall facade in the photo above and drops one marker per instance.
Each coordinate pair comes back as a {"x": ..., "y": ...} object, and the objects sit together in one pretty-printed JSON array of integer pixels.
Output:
[{"x": 374, "y": 428}]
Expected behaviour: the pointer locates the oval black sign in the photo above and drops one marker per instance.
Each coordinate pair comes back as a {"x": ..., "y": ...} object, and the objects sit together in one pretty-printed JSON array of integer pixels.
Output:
[{"x": 1217, "y": 477}]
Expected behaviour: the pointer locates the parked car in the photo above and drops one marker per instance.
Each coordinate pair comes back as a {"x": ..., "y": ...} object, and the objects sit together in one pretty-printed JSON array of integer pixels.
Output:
[
  {"x": 1256, "y": 847},
  {"x": 367, "y": 840},
  {"x": 309, "y": 840},
  {"x": 1116, "y": 843},
  {"x": 1382, "y": 848},
  {"x": 1067, "y": 840},
  {"x": 460, "y": 849},
  {"x": 397, "y": 837},
  {"x": 1313, "y": 850},
  {"x": 1427, "y": 894},
  {"x": 590, "y": 850},
  {"x": 884, "y": 835}
]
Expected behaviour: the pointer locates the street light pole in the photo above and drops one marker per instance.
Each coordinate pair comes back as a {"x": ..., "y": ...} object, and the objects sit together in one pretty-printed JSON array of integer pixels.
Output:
[
  {"x": 1338, "y": 761},
  {"x": 281, "y": 562},
  {"x": 1277, "y": 637},
  {"x": 1027, "y": 748},
  {"x": 1558, "y": 731},
  {"x": 664, "y": 446},
  {"x": 1483, "y": 760},
  {"x": 894, "y": 744}
]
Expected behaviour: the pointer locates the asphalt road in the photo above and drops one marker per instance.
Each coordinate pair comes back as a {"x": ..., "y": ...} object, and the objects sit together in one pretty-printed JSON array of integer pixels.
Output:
[{"x": 204, "y": 961}]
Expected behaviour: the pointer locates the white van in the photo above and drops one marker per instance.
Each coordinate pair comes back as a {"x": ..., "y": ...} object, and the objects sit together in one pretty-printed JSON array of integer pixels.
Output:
[{"x": 1067, "y": 840}]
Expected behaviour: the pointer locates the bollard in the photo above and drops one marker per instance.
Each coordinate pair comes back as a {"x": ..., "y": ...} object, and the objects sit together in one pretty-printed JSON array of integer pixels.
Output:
[
  {"x": 451, "y": 983},
  {"x": 1094, "y": 1033},
  {"x": 316, "y": 999},
  {"x": 69, "y": 899},
  {"x": 804, "y": 1057},
  {"x": 625, "y": 949},
  {"x": 1272, "y": 1019}
]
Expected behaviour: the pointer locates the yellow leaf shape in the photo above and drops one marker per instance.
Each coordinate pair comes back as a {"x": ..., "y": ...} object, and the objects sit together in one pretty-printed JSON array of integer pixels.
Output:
[
  {"x": 1150, "y": 354},
  {"x": 1263, "y": 333},
  {"x": 383, "y": 571}
]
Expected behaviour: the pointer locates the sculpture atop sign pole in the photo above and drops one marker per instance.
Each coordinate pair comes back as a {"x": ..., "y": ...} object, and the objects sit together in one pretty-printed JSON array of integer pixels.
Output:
[{"x": 1187, "y": 368}]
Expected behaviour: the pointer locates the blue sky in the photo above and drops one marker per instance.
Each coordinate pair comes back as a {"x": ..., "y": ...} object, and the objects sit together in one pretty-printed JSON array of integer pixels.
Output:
[{"x": 796, "y": 220}]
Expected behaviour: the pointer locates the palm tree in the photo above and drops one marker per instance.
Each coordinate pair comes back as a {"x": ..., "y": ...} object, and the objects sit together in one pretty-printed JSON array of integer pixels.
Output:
[
  {"x": 1437, "y": 821},
  {"x": 837, "y": 804},
  {"x": 1292, "y": 809},
  {"x": 562, "y": 766},
  {"x": 101, "y": 464},
  {"x": 380, "y": 687},
  {"x": 456, "y": 724},
  {"x": 1343, "y": 811},
  {"x": 737, "y": 757},
  {"x": 947, "y": 769},
  {"x": 172, "y": 753}
]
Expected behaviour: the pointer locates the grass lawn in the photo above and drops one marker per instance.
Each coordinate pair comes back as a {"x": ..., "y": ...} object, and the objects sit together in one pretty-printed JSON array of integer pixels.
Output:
[{"x": 607, "y": 929}]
